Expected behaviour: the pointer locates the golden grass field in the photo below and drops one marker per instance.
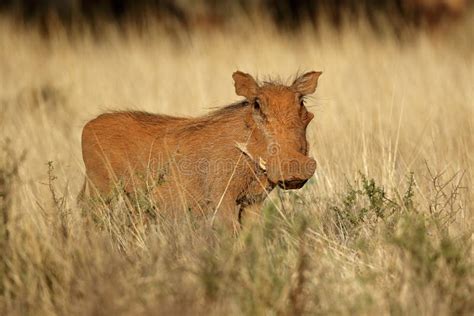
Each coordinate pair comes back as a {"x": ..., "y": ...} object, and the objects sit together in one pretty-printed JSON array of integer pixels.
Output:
[{"x": 385, "y": 226}]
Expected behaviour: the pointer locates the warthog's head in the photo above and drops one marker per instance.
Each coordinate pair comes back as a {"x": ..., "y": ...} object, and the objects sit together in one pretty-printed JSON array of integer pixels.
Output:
[{"x": 278, "y": 119}]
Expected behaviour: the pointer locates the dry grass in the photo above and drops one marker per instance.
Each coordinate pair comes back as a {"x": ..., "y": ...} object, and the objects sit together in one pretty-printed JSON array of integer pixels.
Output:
[{"x": 385, "y": 227}]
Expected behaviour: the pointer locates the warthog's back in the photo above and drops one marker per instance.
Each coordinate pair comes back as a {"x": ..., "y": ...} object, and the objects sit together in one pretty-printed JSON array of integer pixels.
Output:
[{"x": 122, "y": 143}]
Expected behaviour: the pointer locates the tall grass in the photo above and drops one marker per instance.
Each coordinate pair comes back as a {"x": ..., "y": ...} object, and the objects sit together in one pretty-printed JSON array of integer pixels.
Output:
[{"x": 385, "y": 226}]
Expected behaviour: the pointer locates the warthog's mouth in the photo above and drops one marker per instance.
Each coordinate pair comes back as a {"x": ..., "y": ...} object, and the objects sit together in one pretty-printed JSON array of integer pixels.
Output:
[
  {"x": 291, "y": 184},
  {"x": 262, "y": 164}
]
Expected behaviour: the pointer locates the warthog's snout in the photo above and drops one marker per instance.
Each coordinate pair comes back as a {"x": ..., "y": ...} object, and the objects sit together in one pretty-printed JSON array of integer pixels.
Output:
[
  {"x": 291, "y": 173},
  {"x": 291, "y": 184}
]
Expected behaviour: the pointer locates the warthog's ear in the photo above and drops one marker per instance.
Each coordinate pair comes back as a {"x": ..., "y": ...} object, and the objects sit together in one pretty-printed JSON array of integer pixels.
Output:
[
  {"x": 245, "y": 85},
  {"x": 307, "y": 83}
]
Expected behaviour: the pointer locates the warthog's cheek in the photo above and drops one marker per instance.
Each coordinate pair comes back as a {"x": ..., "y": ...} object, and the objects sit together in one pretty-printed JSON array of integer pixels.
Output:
[{"x": 292, "y": 184}]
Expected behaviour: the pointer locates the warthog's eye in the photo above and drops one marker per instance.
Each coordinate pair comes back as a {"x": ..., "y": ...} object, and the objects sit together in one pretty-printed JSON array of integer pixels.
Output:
[{"x": 257, "y": 105}]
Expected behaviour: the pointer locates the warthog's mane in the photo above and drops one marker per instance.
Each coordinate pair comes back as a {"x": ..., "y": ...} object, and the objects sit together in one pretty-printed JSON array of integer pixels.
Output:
[
  {"x": 279, "y": 82},
  {"x": 224, "y": 114},
  {"x": 151, "y": 118},
  {"x": 220, "y": 115},
  {"x": 227, "y": 109}
]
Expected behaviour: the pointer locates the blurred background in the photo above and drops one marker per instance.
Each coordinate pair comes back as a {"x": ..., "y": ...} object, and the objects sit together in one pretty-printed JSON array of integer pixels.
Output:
[
  {"x": 288, "y": 15},
  {"x": 394, "y": 105}
]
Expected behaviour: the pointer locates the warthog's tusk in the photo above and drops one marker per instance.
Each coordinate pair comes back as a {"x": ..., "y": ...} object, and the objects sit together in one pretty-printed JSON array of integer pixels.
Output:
[
  {"x": 262, "y": 163},
  {"x": 243, "y": 148}
]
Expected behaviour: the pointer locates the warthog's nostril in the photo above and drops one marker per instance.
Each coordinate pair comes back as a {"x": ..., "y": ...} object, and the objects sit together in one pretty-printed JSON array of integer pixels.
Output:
[{"x": 291, "y": 184}]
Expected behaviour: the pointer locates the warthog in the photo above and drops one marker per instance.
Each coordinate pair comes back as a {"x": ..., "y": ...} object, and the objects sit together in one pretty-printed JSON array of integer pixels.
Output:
[{"x": 218, "y": 164}]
